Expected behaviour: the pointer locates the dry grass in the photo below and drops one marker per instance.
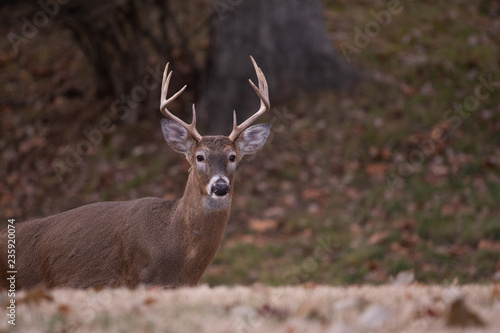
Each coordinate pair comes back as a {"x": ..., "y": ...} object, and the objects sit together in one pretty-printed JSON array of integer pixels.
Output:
[{"x": 307, "y": 308}]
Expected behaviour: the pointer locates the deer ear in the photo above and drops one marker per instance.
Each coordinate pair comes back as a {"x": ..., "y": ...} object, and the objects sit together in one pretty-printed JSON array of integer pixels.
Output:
[
  {"x": 176, "y": 136},
  {"x": 253, "y": 138}
]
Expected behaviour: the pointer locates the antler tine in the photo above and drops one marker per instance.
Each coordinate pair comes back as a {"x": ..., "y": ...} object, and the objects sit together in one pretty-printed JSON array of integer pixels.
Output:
[
  {"x": 263, "y": 93},
  {"x": 191, "y": 128}
]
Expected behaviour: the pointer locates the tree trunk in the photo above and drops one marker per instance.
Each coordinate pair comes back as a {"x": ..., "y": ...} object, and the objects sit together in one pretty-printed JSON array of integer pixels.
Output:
[
  {"x": 127, "y": 40},
  {"x": 116, "y": 37},
  {"x": 289, "y": 42}
]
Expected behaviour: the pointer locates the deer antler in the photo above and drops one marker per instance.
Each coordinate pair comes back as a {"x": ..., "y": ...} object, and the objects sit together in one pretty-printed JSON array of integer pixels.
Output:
[
  {"x": 263, "y": 93},
  {"x": 191, "y": 128}
]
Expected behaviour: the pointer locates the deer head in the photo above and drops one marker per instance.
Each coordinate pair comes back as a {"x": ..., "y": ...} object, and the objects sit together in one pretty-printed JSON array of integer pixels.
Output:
[
  {"x": 214, "y": 159},
  {"x": 149, "y": 240}
]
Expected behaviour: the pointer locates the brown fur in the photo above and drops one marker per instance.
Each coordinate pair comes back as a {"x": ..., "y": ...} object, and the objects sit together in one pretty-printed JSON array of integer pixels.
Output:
[{"x": 144, "y": 241}]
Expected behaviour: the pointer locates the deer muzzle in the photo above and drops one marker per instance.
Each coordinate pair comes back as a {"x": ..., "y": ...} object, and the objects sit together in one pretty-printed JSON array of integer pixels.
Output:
[{"x": 220, "y": 187}]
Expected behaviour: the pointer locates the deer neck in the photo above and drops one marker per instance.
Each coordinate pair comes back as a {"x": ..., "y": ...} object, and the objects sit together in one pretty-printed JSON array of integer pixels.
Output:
[
  {"x": 203, "y": 225},
  {"x": 202, "y": 212}
]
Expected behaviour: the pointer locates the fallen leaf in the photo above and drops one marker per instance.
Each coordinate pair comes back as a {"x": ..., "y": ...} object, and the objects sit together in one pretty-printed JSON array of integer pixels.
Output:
[
  {"x": 275, "y": 212},
  {"x": 495, "y": 292},
  {"x": 313, "y": 194},
  {"x": 408, "y": 90},
  {"x": 376, "y": 170},
  {"x": 36, "y": 296},
  {"x": 352, "y": 193},
  {"x": 42, "y": 71},
  {"x": 267, "y": 310},
  {"x": 149, "y": 301},
  {"x": 440, "y": 170},
  {"x": 64, "y": 309},
  {"x": 378, "y": 237},
  {"x": 35, "y": 142},
  {"x": 460, "y": 315},
  {"x": 485, "y": 244},
  {"x": 310, "y": 285},
  {"x": 429, "y": 311},
  {"x": 448, "y": 209},
  {"x": 355, "y": 229},
  {"x": 263, "y": 225}
]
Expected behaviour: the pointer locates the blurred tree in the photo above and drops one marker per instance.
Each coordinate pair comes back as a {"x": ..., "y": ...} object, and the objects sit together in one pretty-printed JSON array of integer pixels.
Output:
[
  {"x": 127, "y": 39},
  {"x": 208, "y": 44},
  {"x": 289, "y": 42},
  {"x": 489, "y": 7}
]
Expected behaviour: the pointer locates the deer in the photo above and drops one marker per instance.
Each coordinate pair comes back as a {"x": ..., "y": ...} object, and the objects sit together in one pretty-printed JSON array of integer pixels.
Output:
[{"x": 148, "y": 241}]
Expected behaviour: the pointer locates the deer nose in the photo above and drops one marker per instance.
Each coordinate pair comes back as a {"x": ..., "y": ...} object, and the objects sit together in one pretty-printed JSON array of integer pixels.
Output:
[{"x": 220, "y": 188}]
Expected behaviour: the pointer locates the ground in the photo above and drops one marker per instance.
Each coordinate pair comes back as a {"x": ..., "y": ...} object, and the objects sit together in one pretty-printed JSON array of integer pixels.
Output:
[
  {"x": 400, "y": 175},
  {"x": 309, "y": 308}
]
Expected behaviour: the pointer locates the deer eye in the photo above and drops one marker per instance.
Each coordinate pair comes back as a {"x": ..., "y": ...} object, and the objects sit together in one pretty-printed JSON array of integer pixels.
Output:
[
  {"x": 232, "y": 158},
  {"x": 200, "y": 158}
]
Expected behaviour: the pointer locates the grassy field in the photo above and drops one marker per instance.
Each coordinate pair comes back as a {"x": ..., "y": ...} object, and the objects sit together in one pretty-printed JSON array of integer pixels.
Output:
[
  {"x": 394, "y": 177},
  {"x": 310, "y": 308},
  {"x": 400, "y": 175}
]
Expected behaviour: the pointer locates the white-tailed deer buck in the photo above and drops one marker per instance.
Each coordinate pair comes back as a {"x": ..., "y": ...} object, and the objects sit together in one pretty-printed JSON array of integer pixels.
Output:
[{"x": 150, "y": 240}]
